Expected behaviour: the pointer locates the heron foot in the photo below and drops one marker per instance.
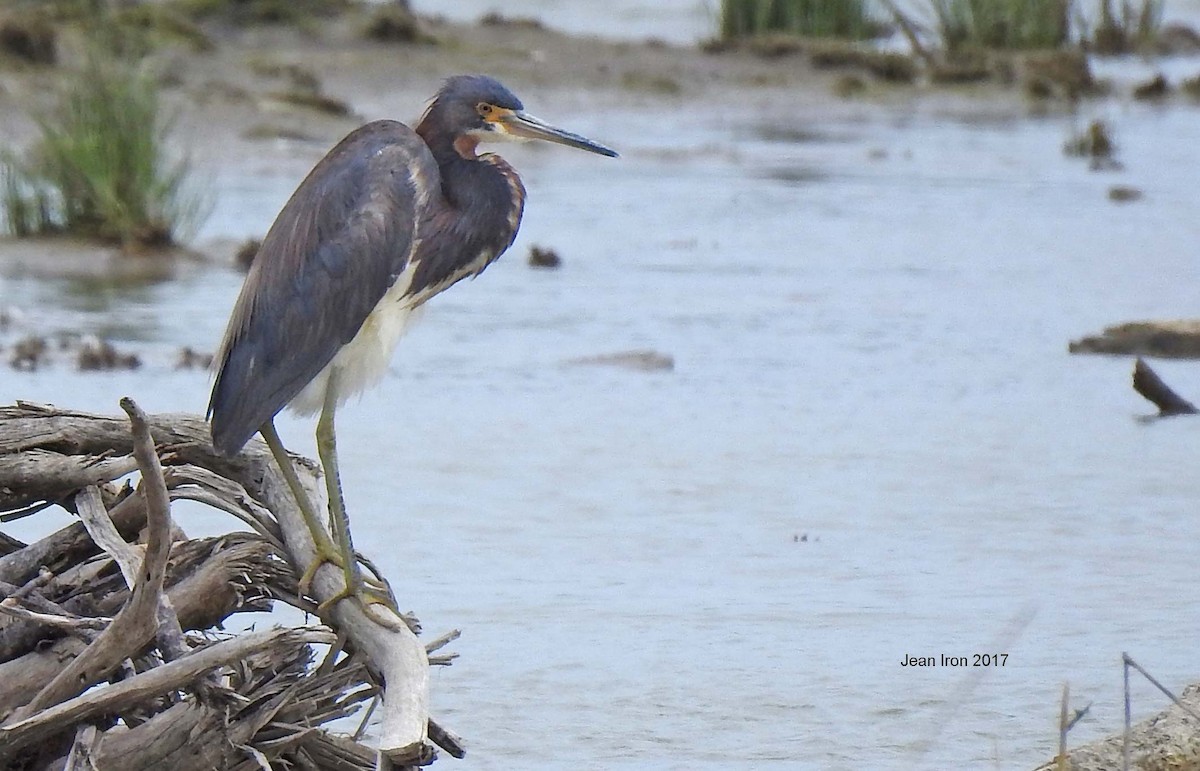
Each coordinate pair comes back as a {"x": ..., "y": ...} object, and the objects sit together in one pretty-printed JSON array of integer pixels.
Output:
[
  {"x": 372, "y": 595},
  {"x": 326, "y": 551},
  {"x": 368, "y": 592},
  {"x": 332, "y": 555}
]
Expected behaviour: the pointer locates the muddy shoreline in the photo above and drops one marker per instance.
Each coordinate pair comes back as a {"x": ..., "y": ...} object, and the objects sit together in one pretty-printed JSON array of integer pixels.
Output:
[
  {"x": 278, "y": 97},
  {"x": 238, "y": 112},
  {"x": 232, "y": 101}
]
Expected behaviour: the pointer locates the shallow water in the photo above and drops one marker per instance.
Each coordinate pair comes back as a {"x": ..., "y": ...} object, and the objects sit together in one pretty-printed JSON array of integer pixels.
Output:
[{"x": 873, "y": 442}]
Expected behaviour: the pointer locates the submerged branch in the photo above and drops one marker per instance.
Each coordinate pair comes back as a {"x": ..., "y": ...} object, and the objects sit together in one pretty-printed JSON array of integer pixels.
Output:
[{"x": 1147, "y": 383}]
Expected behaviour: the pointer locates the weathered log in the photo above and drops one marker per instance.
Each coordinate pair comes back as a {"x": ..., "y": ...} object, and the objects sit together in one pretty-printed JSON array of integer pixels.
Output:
[
  {"x": 250, "y": 487},
  {"x": 199, "y": 484},
  {"x": 83, "y": 749},
  {"x": 45, "y": 723},
  {"x": 95, "y": 518},
  {"x": 273, "y": 711},
  {"x": 208, "y": 580},
  {"x": 26, "y": 425},
  {"x": 44, "y": 475},
  {"x": 69, "y": 545},
  {"x": 1147, "y": 383},
  {"x": 22, "y": 605},
  {"x": 137, "y": 622},
  {"x": 1173, "y": 339},
  {"x": 8, "y": 544},
  {"x": 394, "y": 655}
]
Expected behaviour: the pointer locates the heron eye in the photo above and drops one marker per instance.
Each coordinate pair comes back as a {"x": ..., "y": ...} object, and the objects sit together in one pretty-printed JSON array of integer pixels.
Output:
[{"x": 484, "y": 109}]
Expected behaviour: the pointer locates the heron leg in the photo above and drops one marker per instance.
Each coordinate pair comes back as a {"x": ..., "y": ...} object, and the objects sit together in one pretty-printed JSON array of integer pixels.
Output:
[
  {"x": 357, "y": 587},
  {"x": 326, "y": 549}
]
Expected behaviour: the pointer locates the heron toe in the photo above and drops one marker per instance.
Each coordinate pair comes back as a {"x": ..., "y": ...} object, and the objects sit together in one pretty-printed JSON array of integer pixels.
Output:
[
  {"x": 325, "y": 552},
  {"x": 367, "y": 593}
]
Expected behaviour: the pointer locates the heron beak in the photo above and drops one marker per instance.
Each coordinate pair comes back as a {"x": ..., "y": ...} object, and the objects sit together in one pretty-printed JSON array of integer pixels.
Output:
[{"x": 523, "y": 125}]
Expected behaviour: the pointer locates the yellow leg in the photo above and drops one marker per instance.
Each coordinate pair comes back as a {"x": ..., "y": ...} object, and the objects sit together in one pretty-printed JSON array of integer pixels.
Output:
[
  {"x": 326, "y": 550},
  {"x": 356, "y": 586}
]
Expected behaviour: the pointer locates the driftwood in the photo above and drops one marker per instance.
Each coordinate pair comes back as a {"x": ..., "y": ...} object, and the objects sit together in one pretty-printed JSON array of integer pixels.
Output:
[
  {"x": 1169, "y": 339},
  {"x": 1147, "y": 383},
  {"x": 85, "y": 607}
]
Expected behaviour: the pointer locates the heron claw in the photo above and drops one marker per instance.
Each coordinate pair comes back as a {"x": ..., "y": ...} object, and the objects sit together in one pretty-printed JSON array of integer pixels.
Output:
[
  {"x": 324, "y": 552},
  {"x": 369, "y": 594},
  {"x": 367, "y": 591}
]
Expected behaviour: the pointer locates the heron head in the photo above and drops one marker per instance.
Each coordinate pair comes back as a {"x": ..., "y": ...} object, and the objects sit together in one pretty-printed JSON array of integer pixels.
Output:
[{"x": 476, "y": 108}]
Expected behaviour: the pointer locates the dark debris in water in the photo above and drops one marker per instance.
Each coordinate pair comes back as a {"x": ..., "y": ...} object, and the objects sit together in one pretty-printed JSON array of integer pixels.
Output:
[
  {"x": 9, "y": 317},
  {"x": 544, "y": 258},
  {"x": 95, "y": 354},
  {"x": 801, "y": 134},
  {"x": 888, "y": 66},
  {"x": 1124, "y": 193},
  {"x": 1191, "y": 87},
  {"x": 1169, "y": 339},
  {"x": 299, "y": 77},
  {"x": 28, "y": 353},
  {"x": 86, "y": 353},
  {"x": 189, "y": 358},
  {"x": 303, "y": 89},
  {"x": 642, "y": 361},
  {"x": 1064, "y": 74},
  {"x": 315, "y": 102},
  {"x": 270, "y": 131},
  {"x": 1177, "y": 40},
  {"x": 29, "y": 37},
  {"x": 244, "y": 257},
  {"x": 1153, "y": 89},
  {"x": 796, "y": 175},
  {"x": 1095, "y": 143},
  {"x": 1147, "y": 383},
  {"x": 497, "y": 19},
  {"x": 847, "y": 86}
]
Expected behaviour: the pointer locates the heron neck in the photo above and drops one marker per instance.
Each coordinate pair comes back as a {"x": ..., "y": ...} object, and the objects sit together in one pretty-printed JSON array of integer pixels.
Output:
[
  {"x": 486, "y": 188},
  {"x": 487, "y": 182}
]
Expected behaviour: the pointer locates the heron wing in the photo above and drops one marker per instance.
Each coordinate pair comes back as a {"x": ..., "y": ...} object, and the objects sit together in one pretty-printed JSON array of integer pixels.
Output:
[{"x": 339, "y": 243}]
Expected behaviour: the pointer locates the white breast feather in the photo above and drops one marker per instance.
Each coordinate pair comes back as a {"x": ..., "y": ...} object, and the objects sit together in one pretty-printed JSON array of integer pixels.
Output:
[{"x": 365, "y": 359}]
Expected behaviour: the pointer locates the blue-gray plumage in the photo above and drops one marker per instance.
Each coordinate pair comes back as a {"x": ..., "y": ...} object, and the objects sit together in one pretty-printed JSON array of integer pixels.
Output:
[
  {"x": 389, "y": 218},
  {"x": 339, "y": 243}
]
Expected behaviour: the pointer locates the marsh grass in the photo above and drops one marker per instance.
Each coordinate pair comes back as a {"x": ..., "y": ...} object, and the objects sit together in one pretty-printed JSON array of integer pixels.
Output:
[
  {"x": 100, "y": 168},
  {"x": 1131, "y": 27},
  {"x": 845, "y": 19},
  {"x": 1107, "y": 26},
  {"x": 238, "y": 12},
  {"x": 1002, "y": 24}
]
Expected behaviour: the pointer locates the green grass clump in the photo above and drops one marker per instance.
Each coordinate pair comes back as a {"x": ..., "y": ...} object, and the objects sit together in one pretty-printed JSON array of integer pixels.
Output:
[
  {"x": 294, "y": 12},
  {"x": 1002, "y": 24},
  {"x": 100, "y": 168},
  {"x": 845, "y": 19}
]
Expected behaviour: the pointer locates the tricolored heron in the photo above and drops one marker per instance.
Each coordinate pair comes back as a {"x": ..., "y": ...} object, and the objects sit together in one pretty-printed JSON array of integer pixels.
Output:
[{"x": 385, "y": 221}]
